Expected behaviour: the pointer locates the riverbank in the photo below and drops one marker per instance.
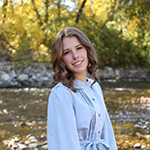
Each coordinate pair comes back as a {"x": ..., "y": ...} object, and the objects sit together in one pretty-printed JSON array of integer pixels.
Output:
[
  {"x": 23, "y": 115},
  {"x": 40, "y": 75}
]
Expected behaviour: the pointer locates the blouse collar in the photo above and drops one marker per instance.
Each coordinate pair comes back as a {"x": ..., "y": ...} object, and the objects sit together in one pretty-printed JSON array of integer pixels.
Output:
[{"x": 81, "y": 84}]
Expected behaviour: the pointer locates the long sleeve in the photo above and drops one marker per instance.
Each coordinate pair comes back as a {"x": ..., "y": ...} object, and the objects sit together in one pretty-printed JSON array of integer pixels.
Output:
[
  {"x": 61, "y": 123},
  {"x": 108, "y": 133},
  {"x": 107, "y": 130}
]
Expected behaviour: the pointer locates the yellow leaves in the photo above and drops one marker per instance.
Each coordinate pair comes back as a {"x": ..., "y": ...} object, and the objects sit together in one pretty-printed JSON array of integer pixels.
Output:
[
  {"x": 135, "y": 34},
  {"x": 43, "y": 49},
  {"x": 2, "y": 15},
  {"x": 13, "y": 51},
  {"x": 101, "y": 8},
  {"x": 23, "y": 29},
  {"x": 21, "y": 25}
]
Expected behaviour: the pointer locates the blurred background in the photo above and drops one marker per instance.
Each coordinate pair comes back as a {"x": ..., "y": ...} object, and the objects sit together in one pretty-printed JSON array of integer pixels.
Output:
[{"x": 118, "y": 29}]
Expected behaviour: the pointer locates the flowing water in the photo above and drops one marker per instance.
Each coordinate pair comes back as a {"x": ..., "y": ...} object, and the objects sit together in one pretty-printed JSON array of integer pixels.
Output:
[{"x": 23, "y": 111}]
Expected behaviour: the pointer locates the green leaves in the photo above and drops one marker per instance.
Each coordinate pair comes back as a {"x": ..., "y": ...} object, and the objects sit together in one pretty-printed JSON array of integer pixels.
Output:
[{"x": 118, "y": 29}]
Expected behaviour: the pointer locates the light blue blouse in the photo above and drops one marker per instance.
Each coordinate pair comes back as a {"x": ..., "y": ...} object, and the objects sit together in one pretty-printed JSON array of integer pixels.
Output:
[{"x": 79, "y": 121}]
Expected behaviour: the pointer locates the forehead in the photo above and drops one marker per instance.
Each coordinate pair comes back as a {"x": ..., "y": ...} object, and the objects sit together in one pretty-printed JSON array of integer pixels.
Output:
[{"x": 69, "y": 42}]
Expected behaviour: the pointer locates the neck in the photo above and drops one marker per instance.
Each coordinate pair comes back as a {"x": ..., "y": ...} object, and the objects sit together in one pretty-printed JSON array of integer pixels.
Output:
[{"x": 82, "y": 77}]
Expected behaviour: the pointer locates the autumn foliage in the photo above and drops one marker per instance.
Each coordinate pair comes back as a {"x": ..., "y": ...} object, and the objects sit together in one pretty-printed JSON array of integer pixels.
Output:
[{"x": 118, "y": 29}]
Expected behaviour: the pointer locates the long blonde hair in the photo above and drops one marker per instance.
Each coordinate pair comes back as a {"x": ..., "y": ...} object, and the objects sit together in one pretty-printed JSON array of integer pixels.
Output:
[{"x": 63, "y": 74}]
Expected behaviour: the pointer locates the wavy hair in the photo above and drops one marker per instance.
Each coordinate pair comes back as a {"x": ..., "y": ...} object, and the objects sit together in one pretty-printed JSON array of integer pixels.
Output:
[{"x": 63, "y": 74}]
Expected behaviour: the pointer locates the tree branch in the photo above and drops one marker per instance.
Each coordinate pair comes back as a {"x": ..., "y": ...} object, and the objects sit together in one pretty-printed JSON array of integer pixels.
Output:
[
  {"x": 37, "y": 13},
  {"x": 110, "y": 17},
  {"x": 80, "y": 11},
  {"x": 4, "y": 40},
  {"x": 46, "y": 15},
  {"x": 58, "y": 5},
  {"x": 4, "y": 7}
]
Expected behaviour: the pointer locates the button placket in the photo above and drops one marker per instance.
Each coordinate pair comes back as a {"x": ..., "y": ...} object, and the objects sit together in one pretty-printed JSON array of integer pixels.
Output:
[{"x": 93, "y": 112}]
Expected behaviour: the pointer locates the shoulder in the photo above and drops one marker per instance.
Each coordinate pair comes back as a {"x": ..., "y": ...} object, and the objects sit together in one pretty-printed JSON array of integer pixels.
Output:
[
  {"x": 60, "y": 89},
  {"x": 95, "y": 85},
  {"x": 59, "y": 92},
  {"x": 59, "y": 98}
]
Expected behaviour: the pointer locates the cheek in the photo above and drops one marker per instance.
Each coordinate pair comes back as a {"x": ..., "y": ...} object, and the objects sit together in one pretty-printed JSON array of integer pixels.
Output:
[
  {"x": 66, "y": 60},
  {"x": 87, "y": 59}
]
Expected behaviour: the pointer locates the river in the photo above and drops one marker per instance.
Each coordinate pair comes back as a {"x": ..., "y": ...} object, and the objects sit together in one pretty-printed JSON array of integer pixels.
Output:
[{"x": 23, "y": 111}]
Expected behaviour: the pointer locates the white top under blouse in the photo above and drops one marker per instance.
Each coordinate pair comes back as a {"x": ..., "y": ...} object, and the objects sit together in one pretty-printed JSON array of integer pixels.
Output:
[{"x": 79, "y": 121}]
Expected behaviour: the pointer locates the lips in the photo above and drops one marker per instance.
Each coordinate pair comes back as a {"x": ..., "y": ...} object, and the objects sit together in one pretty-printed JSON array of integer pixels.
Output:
[{"x": 77, "y": 63}]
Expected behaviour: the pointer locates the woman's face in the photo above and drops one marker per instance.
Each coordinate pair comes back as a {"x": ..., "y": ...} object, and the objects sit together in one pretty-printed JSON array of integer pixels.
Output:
[{"x": 75, "y": 57}]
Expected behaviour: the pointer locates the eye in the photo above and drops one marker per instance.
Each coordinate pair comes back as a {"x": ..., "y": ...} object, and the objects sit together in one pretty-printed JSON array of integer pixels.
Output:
[
  {"x": 66, "y": 52},
  {"x": 78, "y": 48}
]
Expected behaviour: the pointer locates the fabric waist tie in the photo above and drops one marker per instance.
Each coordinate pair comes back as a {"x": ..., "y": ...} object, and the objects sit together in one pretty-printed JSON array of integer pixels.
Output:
[{"x": 98, "y": 144}]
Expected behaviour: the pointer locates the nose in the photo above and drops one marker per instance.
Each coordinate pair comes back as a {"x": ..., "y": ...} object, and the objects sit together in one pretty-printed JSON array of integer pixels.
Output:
[{"x": 75, "y": 55}]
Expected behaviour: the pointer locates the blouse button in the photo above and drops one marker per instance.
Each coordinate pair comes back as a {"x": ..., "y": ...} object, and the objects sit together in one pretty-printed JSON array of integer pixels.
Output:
[
  {"x": 98, "y": 132},
  {"x": 99, "y": 115},
  {"x": 93, "y": 99}
]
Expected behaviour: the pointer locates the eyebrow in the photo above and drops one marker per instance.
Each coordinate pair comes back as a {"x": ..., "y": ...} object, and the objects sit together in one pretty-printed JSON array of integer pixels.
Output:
[{"x": 75, "y": 46}]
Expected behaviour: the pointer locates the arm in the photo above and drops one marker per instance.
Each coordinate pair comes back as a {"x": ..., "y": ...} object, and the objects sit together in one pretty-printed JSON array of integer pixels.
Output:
[
  {"x": 107, "y": 130},
  {"x": 61, "y": 124},
  {"x": 108, "y": 133}
]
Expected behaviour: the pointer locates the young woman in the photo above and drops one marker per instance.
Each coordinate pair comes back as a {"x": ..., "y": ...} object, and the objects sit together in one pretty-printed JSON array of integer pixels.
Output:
[{"x": 77, "y": 116}]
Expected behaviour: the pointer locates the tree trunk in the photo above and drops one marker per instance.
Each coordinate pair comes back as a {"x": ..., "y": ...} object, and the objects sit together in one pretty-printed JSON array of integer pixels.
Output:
[
  {"x": 58, "y": 5},
  {"x": 37, "y": 13},
  {"x": 4, "y": 7},
  {"x": 111, "y": 14},
  {"x": 80, "y": 11},
  {"x": 5, "y": 53},
  {"x": 46, "y": 15}
]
